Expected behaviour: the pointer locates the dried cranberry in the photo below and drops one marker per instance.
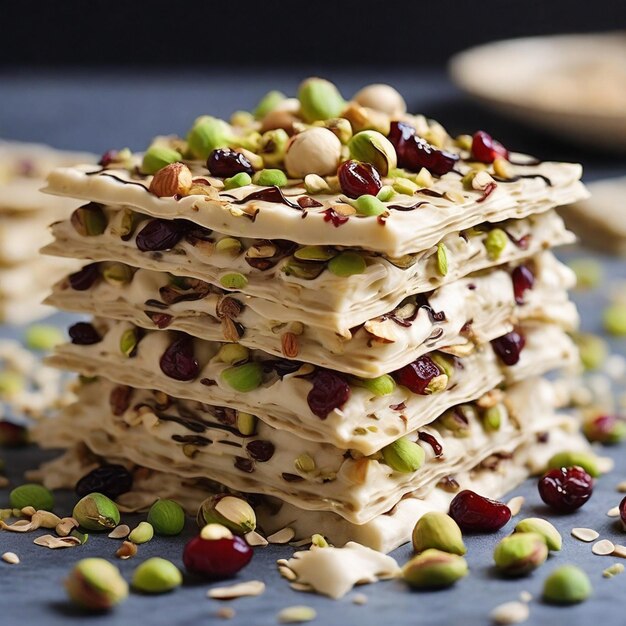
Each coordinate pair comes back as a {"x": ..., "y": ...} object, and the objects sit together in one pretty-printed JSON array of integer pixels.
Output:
[
  {"x": 111, "y": 480},
  {"x": 474, "y": 513},
  {"x": 260, "y": 450},
  {"x": 622, "y": 512},
  {"x": 523, "y": 279},
  {"x": 84, "y": 334},
  {"x": 358, "y": 179},
  {"x": 607, "y": 429},
  {"x": 12, "y": 435},
  {"x": 486, "y": 149},
  {"x": 160, "y": 235},
  {"x": 432, "y": 442},
  {"x": 216, "y": 558},
  {"x": 417, "y": 375},
  {"x": 119, "y": 399},
  {"x": 414, "y": 153},
  {"x": 245, "y": 465},
  {"x": 509, "y": 347},
  {"x": 225, "y": 162},
  {"x": 329, "y": 392},
  {"x": 565, "y": 489},
  {"x": 107, "y": 158},
  {"x": 84, "y": 278},
  {"x": 178, "y": 360},
  {"x": 330, "y": 215}
]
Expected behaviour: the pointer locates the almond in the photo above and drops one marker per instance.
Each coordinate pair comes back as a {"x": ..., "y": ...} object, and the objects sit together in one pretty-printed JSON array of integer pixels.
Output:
[{"x": 172, "y": 180}]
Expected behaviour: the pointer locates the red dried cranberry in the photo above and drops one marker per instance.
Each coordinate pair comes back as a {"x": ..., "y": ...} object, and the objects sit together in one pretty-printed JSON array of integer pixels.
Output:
[
  {"x": 432, "y": 442},
  {"x": 84, "y": 278},
  {"x": 160, "y": 235},
  {"x": 414, "y": 153},
  {"x": 417, "y": 375},
  {"x": 622, "y": 511},
  {"x": 329, "y": 392},
  {"x": 607, "y": 429},
  {"x": 357, "y": 179},
  {"x": 565, "y": 489},
  {"x": 474, "y": 513},
  {"x": 12, "y": 435},
  {"x": 330, "y": 215},
  {"x": 486, "y": 149},
  {"x": 84, "y": 334},
  {"x": 178, "y": 360},
  {"x": 260, "y": 450},
  {"x": 216, "y": 558},
  {"x": 107, "y": 158},
  {"x": 225, "y": 162},
  {"x": 509, "y": 347},
  {"x": 523, "y": 279},
  {"x": 111, "y": 480}
]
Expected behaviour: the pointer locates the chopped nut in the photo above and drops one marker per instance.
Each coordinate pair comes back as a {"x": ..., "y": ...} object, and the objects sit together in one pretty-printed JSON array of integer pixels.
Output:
[
  {"x": 359, "y": 598},
  {"x": 52, "y": 542},
  {"x": 126, "y": 550},
  {"x": 225, "y": 612},
  {"x": 614, "y": 512},
  {"x": 621, "y": 487},
  {"x": 515, "y": 504},
  {"x": 297, "y": 615},
  {"x": 585, "y": 534},
  {"x": 119, "y": 532},
  {"x": 174, "y": 179},
  {"x": 240, "y": 590},
  {"x": 282, "y": 536},
  {"x": 255, "y": 540},
  {"x": 613, "y": 570},
  {"x": 603, "y": 547},
  {"x": 510, "y": 613},
  {"x": 620, "y": 551},
  {"x": 11, "y": 558}
]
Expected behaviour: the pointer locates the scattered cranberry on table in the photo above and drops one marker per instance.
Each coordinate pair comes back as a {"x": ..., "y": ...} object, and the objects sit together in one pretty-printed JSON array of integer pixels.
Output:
[
  {"x": 622, "y": 512},
  {"x": 486, "y": 149},
  {"x": 565, "y": 489},
  {"x": 475, "y": 513},
  {"x": 358, "y": 179}
]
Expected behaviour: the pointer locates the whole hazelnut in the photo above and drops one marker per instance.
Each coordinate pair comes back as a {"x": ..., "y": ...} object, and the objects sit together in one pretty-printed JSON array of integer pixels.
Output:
[
  {"x": 381, "y": 98},
  {"x": 313, "y": 151}
]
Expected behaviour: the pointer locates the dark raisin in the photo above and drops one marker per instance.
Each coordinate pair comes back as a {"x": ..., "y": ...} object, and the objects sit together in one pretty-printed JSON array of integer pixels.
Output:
[
  {"x": 225, "y": 162},
  {"x": 178, "y": 360},
  {"x": 260, "y": 450},
  {"x": 84, "y": 278},
  {"x": 110, "y": 480},
  {"x": 160, "y": 234},
  {"x": 84, "y": 334},
  {"x": 329, "y": 392}
]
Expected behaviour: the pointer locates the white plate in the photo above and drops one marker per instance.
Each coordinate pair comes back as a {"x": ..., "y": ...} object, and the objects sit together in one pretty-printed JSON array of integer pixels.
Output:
[{"x": 571, "y": 85}]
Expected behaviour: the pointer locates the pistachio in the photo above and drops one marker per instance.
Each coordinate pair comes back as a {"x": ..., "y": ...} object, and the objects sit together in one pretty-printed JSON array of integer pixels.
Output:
[
  {"x": 272, "y": 146},
  {"x": 366, "y": 118},
  {"x": 232, "y": 353},
  {"x": 207, "y": 134},
  {"x": 238, "y": 180},
  {"x": 434, "y": 568},
  {"x": 157, "y": 157},
  {"x": 89, "y": 220},
  {"x": 96, "y": 585},
  {"x": 142, "y": 533},
  {"x": 440, "y": 531},
  {"x": 437, "y": 384},
  {"x": 96, "y": 512},
  {"x": 125, "y": 223},
  {"x": 379, "y": 386},
  {"x": 386, "y": 193},
  {"x": 593, "y": 350},
  {"x": 370, "y": 146},
  {"x": 495, "y": 242},
  {"x": 229, "y": 245},
  {"x": 424, "y": 178},
  {"x": 166, "y": 518},
  {"x": 339, "y": 126},
  {"x": 296, "y": 615},
  {"x": 520, "y": 553},
  {"x": 305, "y": 463},
  {"x": 128, "y": 342},
  {"x": 542, "y": 528},
  {"x": 457, "y": 419},
  {"x": 570, "y": 458},
  {"x": 233, "y": 513},
  {"x": 315, "y": 253},
  {"x": 567, "y": 584},
  {"x": 304, "y": 270},
  {"x": 383, "y": 98},
  {"x": 493, "y": 416},
  {"x": 233, "y": 280},
  {"x": 33, "y": 495},
  {"x": 46, "y": 519},
  {"x": 404, "y": 455},
  {"x": 156, "y": 575},
  {"x": 117, "y": 274},
  {"x": 405, "y": 186},
  {"x": 246, "y": 423},
  {"x": 268, "y": 103},
  {"x": 464, "y": 142},
  {"x": 315, "y": 184},
  {"x": 173, "y": 180},
  {"x": 442, "y": 259},
  {"x": 244, "y": 378},
  {"x": 313, "y": 151},
  {"x": 589, "y": 272},
  {"x": 269, "y": 178},
  {"x": 319, "y": 100},
  {"x": 42, "y": 337},
  {"x": 66, "y": 526},
  {"x": 347, "y": 264},
  {"x": 614, "y": 319},
  {"x": 242, "y": 119},
  {"x": 11, "y": 384},
  {"x": 127, "y": 550},
  {"x": 11, "y": 558},
  {"x": 319, "y": 541},
  {"x": 502, "y": 168},
  {"x": 444, "y": 364},
  {"x": 368, "y": 205}
]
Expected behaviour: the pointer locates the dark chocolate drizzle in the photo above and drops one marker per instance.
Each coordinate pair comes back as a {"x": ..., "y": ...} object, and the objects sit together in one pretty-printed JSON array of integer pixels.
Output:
[{"x": 272, "y": 194}]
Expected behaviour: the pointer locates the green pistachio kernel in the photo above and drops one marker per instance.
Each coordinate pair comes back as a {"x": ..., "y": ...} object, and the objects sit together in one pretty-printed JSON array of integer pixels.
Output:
[
  {"x": 593, "y": 350},
  {"x": 404, "y": 455},
  {"x": 339, "y": 126},
  {"x": 233, "y": 280},
  {"x": 157, "y": 157},
  {"x": 11, "y": 383},
  {"x": 242, "y": 119},
  {"x": 268, "y": 103},
  {"x": 458, "y": 419},
  {"x": 233, "y": 354},
  {"x": 347, "y": 264},
  {"x": 464, "y": 142},
  {"x": 96, "y": 585},
  {"x": 588, "y": 272},
  {"x": 424, "y": 178},
  {"x": 368, "y": 206},
  {"x": 142, "y": 533},
  {"x": 379, "y": 386},
  {"x": 306, "y": 270},
  {"x": 570, "y": 458},
  {"x": 89, "y": 220},
  {"x": 493, "y": 417},
  {"x": 468, "y": 179},
  {"x": 315, "y": 184},
  {"x": 542, "y": 527},
  {"x": 438, "y": 530},
  {"x": 128, "y": 342},
  {"x": 319, "y": 100},
  {"x": 442, "y": 259},
  {"x": 319, "y": 541},
  {"x": 444, "y": 363},
  {"x": 207, "y": 134},
  {"x": 269, "y": 178},
  {"x": 434, "y": 569},
  {"x": 117, "y": 274},
  {"x": 238, "y": 180},
  {"x": 42, "y": 337},
  {"x": 246, "y": 377},
  {"x": 96, "y": 512},
  {"x": 405, "y": 186},
  {"x": 386, "y": 193},
  {"x": 495, "y": 242},
  {"x": 315, "y": 253},
  {"x": 437, "y": 384},
  {"x": 33, "y": 495},
  {"x": 156, "y": 575},
  {"x": 520, "y": 553},
  {"x": 246, "y": 423},
  {"x": 233, "y": 513},
  {"x": 305, "y": 463},
  {"x": 229, "y": 245},
  {"x": 166, "y": 517},
  {"x": 372, "y": 147},
  {"x": 614, "y": 319},
  {"x": 272, "y": 146},
  {"x": 567, "y": 584}
]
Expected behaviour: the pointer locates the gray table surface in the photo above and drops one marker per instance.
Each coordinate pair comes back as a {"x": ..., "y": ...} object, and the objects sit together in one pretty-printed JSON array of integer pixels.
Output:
[{"x": 99, "y": 111}]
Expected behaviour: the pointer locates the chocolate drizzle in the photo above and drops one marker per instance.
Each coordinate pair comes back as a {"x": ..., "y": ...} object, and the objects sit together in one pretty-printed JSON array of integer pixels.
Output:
[
  {"x": 272, "y": 194},
  {"x": 126, "y": 182},
  {"x": 432, "y": 442},
  {"x": 514, "y": 179},
  {"x": 194, "y": 440},
  {"x": 399, "y": 207}
]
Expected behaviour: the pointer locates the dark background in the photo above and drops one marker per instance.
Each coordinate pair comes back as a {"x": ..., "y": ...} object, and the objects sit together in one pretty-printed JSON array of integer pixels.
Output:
[{"x": 313, "y": 33}]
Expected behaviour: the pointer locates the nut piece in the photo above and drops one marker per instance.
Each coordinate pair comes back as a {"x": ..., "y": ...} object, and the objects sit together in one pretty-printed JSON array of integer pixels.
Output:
[
  {"x": 33, "y": 495},
  {"x": 297, "y": 615},
  {"x": 167, "y": 517},
  {"x": 379, "y": 386},
  {"x": 582, "y": 459},
  {"x": 434, "y": 568},
  {"x": 173, "y": 180},
  {"x": 319, "y": 100},
  {"x": 510, "y": 613},
  {"x": 585, "y": 534},
  {"x": 541, "y": 527},
  {"x": 126, "y": 550},
  {"x": 96, "y": 512},
  {"x": 156, "y": 575},
  {"x": 520, "y": 553},
  {"x": 440, "y": 531},
  {"x": 142, "y": 533},
  {"x": 96, "y": 585},
  {"x": 233, "y": 513},
  {"x": 370, "y": 146},
  {"x": 157, "y": 157},
  {"x": 381, "y": 97},
  {"x": 11, "y": 558},
  {"x": 404, "y": 455},
  {"x": 313, "y": 151},
  {"x": 567, "y": 585}
]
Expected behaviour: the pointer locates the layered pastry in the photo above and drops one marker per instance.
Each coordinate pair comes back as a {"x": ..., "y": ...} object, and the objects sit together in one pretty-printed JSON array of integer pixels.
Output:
[
  {"x": 326, "y": 307},
  {"x": 25, "y": 214}
]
